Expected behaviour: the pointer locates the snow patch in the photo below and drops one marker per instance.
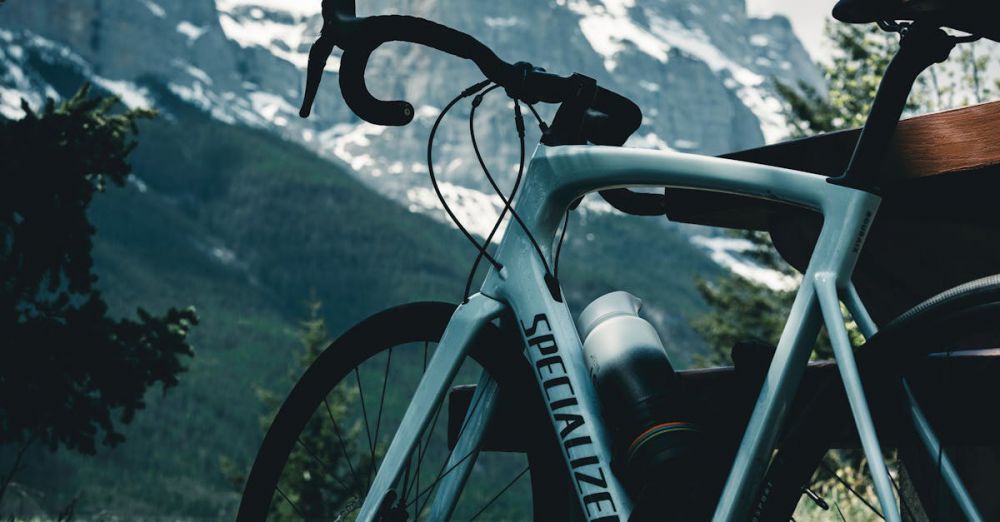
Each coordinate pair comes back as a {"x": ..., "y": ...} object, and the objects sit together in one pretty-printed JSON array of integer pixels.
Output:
[
  {"x": 501, "y": 22},
  {"x": 224, "y": 255},
  {"x": 297, "y": 8},
  {"x": 246, "y": 23},
  {"x": 225, "y": 107},
  {"x": 606, "y": 26},
  {"x": 343, "y": 139},
  {"x": 193, "y": 32},
  {"x": 18, "y": 84},
  {"x": 427, "y": 112},
  {"x": 647, "y": 141},
  {"x": 596, "y": 204},
  {"x": 10, "y": 102},
  {"x": 193, "y": 71},
  {"x": 154, "y": 8},
  {"x": 140, "y": 185},
  {"x": 269, "y": 106},
  {"x": 649, "y": 86},
  {"x": 749, "y": 87},
  {"x": 477, "y": 211},
  {"x": 726, "y": 252},
  {"x": 133, "y": 96}
]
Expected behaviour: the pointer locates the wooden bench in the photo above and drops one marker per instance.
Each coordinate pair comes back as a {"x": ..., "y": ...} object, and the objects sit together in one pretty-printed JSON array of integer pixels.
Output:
[{"x": 939, "y": 224}]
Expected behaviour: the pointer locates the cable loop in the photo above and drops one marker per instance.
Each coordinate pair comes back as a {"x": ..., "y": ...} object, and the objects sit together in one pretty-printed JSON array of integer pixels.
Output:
[{"x": 437, "y": 189}]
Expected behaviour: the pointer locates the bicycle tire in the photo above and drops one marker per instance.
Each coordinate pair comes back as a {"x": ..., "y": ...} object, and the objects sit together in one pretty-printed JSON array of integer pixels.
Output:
[
  {"x": 410, "y": 323},
  {"x": 884, "y": 359}
]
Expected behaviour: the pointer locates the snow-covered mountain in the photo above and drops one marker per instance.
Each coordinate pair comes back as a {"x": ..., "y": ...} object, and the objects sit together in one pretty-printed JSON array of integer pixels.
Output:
[{"x": 703, "y": 72}]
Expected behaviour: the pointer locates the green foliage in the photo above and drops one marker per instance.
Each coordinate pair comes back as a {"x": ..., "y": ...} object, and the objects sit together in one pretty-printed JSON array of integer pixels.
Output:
[
  {"x": 741, "y": 309},
  {"x": 972, "y": 72},
  {"x": 862, "y": 54},
  {"x": 318, "y": 477},
  {"x": 67, "y": 369}
]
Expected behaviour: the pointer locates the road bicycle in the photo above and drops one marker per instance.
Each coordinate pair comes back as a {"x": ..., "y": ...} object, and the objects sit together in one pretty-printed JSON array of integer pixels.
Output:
[{"x": 518, "y": 329}]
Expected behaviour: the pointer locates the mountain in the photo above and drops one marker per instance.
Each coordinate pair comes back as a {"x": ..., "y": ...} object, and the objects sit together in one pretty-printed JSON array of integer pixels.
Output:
[{"x": 702, "y": 71}]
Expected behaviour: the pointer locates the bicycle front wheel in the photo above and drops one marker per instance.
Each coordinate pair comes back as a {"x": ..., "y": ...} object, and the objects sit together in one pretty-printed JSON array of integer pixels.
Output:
[{"x": 325, "y": 444}]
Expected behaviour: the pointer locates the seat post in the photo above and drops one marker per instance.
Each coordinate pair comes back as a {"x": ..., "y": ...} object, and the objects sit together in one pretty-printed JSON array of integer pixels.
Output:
[{"x": 920, "y": 46}]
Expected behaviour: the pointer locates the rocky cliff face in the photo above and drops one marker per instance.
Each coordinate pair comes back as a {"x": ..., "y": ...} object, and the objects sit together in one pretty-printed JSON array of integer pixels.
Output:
[{"x": 702, "y": 72}]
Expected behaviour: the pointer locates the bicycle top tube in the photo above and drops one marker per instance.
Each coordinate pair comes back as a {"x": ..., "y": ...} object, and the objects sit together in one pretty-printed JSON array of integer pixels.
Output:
[{"x": 557, "y": 176}]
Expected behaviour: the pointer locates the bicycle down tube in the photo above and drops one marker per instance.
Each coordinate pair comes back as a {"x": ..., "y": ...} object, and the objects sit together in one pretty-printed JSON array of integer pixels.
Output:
[{"x": 556, "y": 177}]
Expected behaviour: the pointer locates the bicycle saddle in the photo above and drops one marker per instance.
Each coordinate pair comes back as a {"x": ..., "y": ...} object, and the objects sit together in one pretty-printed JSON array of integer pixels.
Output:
[{"x": 978, "y": 17}]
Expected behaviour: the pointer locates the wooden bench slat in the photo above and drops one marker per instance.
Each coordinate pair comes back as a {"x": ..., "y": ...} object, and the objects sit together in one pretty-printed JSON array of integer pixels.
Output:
[
  {"x": 927, "y": 145},
  {"x": 948, "y": 142}
]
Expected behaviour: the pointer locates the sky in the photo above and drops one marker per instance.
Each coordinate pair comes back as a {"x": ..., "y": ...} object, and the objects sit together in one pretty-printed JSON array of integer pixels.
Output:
[{"x": 807, "y": 17}]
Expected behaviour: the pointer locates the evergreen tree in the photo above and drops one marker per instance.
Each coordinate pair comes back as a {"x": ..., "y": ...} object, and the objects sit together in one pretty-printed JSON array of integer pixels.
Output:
[
  {"x": 69, "y": 374},
  {"x": 862, "y": 53},
  {"x": 742, "y": 309},
  {"x": 325, "y": 473}
]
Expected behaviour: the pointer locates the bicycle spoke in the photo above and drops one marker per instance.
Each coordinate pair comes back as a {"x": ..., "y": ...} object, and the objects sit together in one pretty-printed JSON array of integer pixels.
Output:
[
  {"x": 441, "y": 472},
  {"x": 421, "y": 446},
  {"x": 839, "y": 512},
  {"x": 851, "y": 489},
  {"x": 381, "y": 401},
  {"x": 290, "y": 503},
  {"x": 416, "y": 482},
  {"x": 902, "y": 499},
  {"x": 381, "y": 404},
  {"x": 406, "y": 481},
  {"x": 427, "y": 442},
  {"x": 364, "y": 412},
  {"x": 502, "y": 491},
  {"x": 324, "y": 465},
  {"x": 340, "y": 439},
  {"x": 436, "y": 480}
]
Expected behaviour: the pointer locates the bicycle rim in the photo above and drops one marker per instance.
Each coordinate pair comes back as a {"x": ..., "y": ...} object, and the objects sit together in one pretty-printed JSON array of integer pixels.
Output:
[{"x": 326, "y": 441}]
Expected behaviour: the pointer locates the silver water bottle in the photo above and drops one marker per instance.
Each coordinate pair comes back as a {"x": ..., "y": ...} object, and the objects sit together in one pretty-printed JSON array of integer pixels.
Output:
[{"x": 640, "y": 395}]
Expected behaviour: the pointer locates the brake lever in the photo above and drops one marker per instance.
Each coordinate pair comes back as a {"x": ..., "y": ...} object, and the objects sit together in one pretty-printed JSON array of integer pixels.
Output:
[{"x": 339, "y": 18}]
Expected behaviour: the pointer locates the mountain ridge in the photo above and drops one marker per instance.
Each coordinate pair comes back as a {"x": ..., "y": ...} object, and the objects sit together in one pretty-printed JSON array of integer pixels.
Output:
[{"x": 702, "y": 72}]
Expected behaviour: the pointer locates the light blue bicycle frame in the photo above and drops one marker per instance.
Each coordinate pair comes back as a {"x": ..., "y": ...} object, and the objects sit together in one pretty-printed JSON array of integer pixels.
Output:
[{"x": 558, "y": 176}]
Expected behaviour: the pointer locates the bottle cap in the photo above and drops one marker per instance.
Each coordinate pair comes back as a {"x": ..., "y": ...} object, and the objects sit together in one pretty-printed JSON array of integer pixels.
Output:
[{"x": 605, "y": 307}]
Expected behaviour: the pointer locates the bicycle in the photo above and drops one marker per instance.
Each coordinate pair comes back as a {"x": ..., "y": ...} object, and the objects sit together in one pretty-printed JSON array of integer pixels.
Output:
[{"x": 518, "y": 324}]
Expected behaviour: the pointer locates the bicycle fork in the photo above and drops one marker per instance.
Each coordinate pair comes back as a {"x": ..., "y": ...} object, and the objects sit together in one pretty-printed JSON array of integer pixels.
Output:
[{"x": 441, "y": 370}]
